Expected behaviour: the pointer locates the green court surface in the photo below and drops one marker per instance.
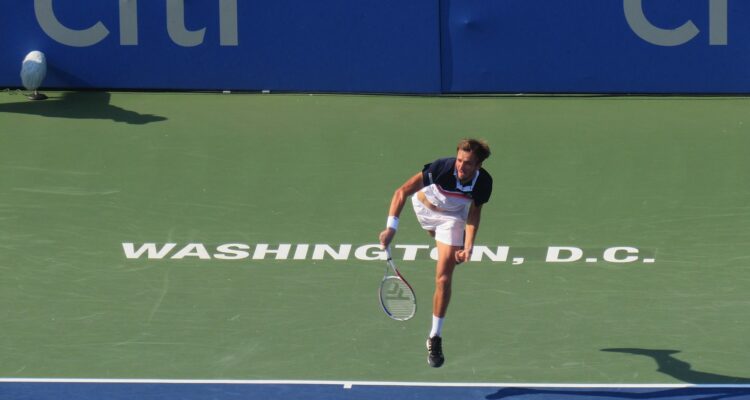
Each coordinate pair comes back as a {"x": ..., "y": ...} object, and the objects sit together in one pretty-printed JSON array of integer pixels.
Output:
[{"x": 82, "y": 174}]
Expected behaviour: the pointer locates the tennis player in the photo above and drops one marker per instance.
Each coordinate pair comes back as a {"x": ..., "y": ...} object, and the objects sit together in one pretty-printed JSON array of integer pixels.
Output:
[{"x": 447, "y": 197}]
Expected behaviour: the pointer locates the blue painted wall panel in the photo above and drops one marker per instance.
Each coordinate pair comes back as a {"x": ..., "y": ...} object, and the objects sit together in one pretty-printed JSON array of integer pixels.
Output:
[
  {"x": 589, "y": 46},
  {"x": 325, "y": 45},
  {"x": 390, "y": 46}
]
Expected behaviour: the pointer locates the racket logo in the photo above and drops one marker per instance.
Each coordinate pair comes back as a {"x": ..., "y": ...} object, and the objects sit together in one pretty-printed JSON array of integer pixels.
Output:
[{"x": 396, "y": 293}]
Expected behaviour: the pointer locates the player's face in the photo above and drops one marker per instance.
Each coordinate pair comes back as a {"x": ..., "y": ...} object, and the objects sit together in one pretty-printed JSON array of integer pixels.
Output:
[{"x": 467, "y": 165}]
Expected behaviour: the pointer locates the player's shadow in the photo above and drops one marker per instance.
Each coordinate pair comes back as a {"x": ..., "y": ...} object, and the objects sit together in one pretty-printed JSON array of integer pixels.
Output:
[
  {"x": 614, "y": 394},
  {"x": 666, "y": 364},
  {"x": 679, "y": 369},
  {"x": 80, "y": 105}
]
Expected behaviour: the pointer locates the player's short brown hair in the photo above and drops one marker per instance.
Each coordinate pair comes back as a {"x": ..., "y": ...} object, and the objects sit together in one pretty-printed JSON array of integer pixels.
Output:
[{"x": 475, "y": 146}]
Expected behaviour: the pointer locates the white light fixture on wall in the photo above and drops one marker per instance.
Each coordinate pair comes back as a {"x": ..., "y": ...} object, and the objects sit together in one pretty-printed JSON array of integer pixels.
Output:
[{"x": 33, "y": 71}]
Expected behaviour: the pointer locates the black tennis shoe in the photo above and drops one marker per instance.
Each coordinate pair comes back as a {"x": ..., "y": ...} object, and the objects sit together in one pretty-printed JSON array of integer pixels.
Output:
[{"x": 435, "y": 352}]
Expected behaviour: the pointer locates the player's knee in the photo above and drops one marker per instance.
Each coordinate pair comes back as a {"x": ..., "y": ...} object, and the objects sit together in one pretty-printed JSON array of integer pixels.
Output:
[{"x": 443, "y": 281}]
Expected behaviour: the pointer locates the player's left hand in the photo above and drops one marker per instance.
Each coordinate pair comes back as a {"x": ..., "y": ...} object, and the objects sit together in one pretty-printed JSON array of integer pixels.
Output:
[{"x": 463, "y": 255}]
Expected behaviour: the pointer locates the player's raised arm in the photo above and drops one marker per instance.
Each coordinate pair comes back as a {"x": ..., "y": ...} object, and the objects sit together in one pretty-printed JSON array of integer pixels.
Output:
[{"x": 411, "y": 186}]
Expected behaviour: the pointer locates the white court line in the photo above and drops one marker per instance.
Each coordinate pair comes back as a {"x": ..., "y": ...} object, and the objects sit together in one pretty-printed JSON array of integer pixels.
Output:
[{"x": 350, "y": 384}]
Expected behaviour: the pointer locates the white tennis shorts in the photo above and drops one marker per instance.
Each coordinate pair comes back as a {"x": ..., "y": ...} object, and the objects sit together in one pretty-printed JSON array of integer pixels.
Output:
[{"x": 448, "y": 228}]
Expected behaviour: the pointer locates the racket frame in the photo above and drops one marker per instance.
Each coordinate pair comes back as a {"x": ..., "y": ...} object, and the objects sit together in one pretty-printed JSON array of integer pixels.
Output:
[{"x": 391, "y": 266}]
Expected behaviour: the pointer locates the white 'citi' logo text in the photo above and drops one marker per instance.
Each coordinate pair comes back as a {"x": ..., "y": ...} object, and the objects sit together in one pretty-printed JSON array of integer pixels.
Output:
[
  {"x": 717, "y": 11},
  {"x": 128, "y": 13},
  {"x": 180, "y": 35}
]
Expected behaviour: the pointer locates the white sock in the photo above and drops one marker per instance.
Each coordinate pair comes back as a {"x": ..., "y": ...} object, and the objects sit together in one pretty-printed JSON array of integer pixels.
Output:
[{"x": 437, "y": 326}]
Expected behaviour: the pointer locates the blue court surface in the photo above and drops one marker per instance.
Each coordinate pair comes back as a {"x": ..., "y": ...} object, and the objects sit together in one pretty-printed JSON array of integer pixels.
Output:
[{"x": 82, "y": 389}]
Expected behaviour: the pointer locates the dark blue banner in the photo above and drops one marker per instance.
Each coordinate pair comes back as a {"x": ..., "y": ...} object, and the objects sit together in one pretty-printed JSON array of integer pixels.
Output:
[
  {"x": 620, "y": 46},
  {"x": 287, "y": 45},
  {"x": 388, "y": 46}
]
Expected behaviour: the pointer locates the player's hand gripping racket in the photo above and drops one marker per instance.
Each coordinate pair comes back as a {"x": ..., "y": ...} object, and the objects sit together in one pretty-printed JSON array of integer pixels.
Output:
[{"x": 396, "y": 295}]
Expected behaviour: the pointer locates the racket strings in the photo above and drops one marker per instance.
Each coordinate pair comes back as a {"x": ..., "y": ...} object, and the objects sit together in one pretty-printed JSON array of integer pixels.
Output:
[{"x": 397, "y": 298}]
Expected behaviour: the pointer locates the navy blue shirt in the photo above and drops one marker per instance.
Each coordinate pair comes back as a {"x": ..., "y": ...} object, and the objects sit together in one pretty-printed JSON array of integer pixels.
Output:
[{"x": 442, "y": 174}]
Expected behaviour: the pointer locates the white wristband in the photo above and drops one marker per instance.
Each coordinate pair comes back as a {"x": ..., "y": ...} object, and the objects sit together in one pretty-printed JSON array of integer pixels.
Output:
[{"x": 392, "y": 223}]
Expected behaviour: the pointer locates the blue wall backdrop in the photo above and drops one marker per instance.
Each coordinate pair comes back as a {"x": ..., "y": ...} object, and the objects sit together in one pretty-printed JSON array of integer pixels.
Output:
[
  {"x": 322, "y": 45},
  {"x": 384, "y": 46},
  {"x": 592, "y": 46}
]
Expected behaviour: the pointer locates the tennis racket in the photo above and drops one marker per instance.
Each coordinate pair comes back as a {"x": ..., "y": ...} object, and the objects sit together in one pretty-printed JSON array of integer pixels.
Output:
[{"x": 396, "y": 295}]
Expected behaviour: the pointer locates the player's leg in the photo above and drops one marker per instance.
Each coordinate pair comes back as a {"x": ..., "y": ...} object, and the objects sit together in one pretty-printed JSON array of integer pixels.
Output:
[
  {"x": 437, "y": 228},
  {"x": 448, "y": 240},
  {"x": 445, "y": 266}
]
